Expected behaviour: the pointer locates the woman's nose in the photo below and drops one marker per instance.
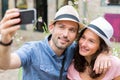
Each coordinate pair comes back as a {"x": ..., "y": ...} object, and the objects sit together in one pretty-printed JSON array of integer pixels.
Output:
[{"x": 84, "y": 43}]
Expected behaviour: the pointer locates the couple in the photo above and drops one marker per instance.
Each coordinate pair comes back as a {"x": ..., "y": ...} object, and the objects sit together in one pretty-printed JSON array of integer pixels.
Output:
[{"x": 49, "y": 59}]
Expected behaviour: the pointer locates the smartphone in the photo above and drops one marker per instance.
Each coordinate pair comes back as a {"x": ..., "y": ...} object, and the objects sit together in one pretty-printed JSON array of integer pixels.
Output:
[{"x": 27, "y": 16}]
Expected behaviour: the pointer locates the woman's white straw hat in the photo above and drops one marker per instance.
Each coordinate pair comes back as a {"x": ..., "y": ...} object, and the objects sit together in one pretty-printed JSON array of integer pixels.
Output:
[
  {"x": 102, "y": 28},
  {"x": 69, "y": 13}
]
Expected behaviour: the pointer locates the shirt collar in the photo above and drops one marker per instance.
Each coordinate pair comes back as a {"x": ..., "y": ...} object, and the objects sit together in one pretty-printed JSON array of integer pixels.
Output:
[{"x": 52, "y": 53}]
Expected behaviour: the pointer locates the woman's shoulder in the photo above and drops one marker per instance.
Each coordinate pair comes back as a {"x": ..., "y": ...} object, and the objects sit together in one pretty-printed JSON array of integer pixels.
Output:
[
  {"x": 115, "y": 61},
  {"x": 114, "y": 70},
  {"x": 73, "y": 74},
  {"x": 71, "y": 67}
]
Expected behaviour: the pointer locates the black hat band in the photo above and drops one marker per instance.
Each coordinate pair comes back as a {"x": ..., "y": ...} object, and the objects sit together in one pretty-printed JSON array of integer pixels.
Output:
[
  {"x": 99, "y": 30},
  {"x": 67, "y": 16}
]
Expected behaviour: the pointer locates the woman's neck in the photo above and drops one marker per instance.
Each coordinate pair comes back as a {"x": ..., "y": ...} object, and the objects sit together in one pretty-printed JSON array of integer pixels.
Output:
[{"x": 88, "y": 59}]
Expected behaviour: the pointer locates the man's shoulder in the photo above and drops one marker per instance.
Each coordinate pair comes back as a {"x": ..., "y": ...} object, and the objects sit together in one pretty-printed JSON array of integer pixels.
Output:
[
  {"x": 36, "y": 42},
  {"x": 73, "y": 45}
]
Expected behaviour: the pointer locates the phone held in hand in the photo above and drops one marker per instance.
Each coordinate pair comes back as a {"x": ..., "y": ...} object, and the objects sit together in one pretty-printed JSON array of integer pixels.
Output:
[{"x": 27, "y": 16}]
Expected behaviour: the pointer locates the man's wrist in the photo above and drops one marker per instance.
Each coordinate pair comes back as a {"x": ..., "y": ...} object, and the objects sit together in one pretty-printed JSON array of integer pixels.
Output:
[{"x": 5, "y": 44}]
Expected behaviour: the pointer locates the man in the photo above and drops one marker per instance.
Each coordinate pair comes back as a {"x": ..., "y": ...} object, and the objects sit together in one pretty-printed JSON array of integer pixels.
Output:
[{"x": 48, "y": 59}]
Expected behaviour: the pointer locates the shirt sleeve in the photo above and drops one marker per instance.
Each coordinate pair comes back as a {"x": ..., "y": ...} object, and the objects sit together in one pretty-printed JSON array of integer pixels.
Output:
[
  {"x": 114, "y": 70},
  {"x": 117, "y": 63},
  {"x": 70, "y": 71},
  {"x": 25, "y": 54}
]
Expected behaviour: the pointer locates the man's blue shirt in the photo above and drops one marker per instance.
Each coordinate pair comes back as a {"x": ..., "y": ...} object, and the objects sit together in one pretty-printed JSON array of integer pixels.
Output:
[{"x": 40, "y": 62}]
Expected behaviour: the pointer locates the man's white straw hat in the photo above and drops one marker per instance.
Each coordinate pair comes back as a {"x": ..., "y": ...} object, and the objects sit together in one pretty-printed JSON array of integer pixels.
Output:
[
  {"x": 102, "y": 28},
  {"x": 69, "y": 13}
]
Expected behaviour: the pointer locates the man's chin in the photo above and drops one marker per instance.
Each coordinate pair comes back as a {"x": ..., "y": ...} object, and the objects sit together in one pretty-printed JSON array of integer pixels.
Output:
[{"x": 62, "y": 47}]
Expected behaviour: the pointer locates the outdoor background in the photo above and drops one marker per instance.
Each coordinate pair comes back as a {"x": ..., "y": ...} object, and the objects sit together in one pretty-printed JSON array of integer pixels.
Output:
[{"x": 46, "y": 9}]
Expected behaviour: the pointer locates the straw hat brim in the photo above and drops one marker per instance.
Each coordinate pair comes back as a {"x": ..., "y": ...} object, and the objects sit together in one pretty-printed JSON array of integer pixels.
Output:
[
  {"x": 107, "y": 41},
  {"x": 81, "y": 25}
]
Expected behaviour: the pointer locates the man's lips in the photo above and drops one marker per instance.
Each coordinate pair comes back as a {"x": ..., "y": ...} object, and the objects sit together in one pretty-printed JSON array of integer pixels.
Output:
[{"x": 63, "y": 40}]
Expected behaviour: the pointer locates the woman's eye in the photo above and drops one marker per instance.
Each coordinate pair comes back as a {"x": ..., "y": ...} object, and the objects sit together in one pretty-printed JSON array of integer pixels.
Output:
[
  {"x": 82, "y": 37},
  {"x": 92, "y": 41}
]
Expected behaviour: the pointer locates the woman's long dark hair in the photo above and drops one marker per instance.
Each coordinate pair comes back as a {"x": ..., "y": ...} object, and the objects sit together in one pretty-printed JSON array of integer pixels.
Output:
[{"x": 80, "y": 62}]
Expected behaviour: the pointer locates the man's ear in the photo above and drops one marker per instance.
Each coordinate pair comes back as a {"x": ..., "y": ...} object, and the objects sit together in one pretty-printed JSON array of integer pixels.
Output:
[{"x": 51, "y": 26}]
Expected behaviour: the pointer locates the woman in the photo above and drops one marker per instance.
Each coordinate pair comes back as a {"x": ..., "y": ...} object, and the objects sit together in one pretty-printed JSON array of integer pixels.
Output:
[{"x": 92, "y": 40}]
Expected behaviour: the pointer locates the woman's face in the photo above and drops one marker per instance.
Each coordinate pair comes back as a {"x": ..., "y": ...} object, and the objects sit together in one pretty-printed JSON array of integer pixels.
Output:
[{"x": 89, "y": 43}]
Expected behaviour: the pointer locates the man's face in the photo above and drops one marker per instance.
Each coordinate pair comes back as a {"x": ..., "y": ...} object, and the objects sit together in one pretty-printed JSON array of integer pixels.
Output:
[{"x": 63, "y": 34}]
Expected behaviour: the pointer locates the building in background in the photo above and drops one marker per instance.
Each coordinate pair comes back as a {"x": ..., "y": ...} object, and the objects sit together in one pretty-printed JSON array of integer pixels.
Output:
[
  {"x": 4, "y": 7},
  {"x": 110, "y": 9},
  {"x": 88, "y": 10}
]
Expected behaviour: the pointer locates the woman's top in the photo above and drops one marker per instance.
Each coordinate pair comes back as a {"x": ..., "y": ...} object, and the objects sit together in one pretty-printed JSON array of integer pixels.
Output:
[{"x": 113, "y": 71}]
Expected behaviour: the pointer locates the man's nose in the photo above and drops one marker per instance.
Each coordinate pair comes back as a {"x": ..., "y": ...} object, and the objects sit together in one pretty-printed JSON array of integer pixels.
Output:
[{"x": 66, "y": 32}]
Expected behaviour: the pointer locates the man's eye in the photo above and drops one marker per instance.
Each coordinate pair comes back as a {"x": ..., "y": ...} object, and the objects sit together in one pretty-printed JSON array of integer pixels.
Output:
[
  {"x": 72, "y": 30},
  {"x": 60, "y": 26}
]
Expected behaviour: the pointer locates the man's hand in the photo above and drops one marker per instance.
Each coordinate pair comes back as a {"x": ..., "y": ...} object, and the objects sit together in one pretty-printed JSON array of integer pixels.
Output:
[
  {"x": 8, "y": 28},
  {"x": 6, "y": 25},
  {"x": 103, "y": 62}
]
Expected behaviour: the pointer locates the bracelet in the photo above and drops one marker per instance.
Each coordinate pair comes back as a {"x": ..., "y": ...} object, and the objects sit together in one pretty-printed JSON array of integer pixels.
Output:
[{"x": 5, "y": 44}]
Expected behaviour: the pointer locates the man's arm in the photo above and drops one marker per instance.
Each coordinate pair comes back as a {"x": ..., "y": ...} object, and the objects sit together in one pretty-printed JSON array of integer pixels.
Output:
[
  {"x": 7, "y": 31},
  {"x": 8, "y": 60},
  {"x": 103, "y": 62}
]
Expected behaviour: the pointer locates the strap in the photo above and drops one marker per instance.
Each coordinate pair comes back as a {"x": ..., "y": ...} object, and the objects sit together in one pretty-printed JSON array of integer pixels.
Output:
[
  {"x": 6, "y": 44},
  {"x": 62, "y": 68}
]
